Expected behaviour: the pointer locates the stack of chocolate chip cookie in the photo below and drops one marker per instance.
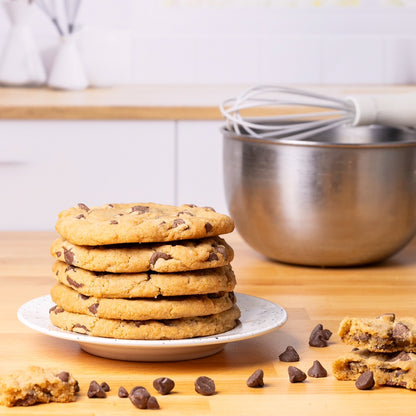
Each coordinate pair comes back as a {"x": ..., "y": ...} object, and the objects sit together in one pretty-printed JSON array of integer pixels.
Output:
[{"x": 143, "y": 271}]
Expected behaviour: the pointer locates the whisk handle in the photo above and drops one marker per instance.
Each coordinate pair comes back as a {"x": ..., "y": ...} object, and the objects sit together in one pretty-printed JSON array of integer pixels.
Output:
[{"x": 387, "y": 109}]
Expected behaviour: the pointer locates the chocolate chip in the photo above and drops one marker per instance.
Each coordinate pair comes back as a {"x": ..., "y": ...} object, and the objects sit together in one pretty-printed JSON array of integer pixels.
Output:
[
  {"x": 256, "y": 379},
  {"x": 177, "y": 222},
  {"x": 400, "y": 331},
  {"x": 58, "y": 254},
  {"x": 290, "y": 355},
  {"x": 96, "y": 391},
  {"x": 139, "y": 397},
  {"x": 29, "y": 400},
  {"x": 113, "y": 222},
  {"x": 205, "y": 386},
  {"x": 159, "y": 255},
  {"x": 139, "y": 323},
  {"x": 122, "y": 392},
  {"x": 79, "y": 326},
  {"x": 365, "y": 381},
  {"x": 317, "y": 370},
  {"x": 163, "y": 385},
  {"x": 110, "y": 205},
  {"x": 83, "y": 297},
  {"x": 63, "y": 376},
  {"x": 389, "y": 317},
  {"x": 105, "y": 386},
  {"x": 93, "y": 308},
  {"x": 70, "y": 267},
  {"x": 319, "y": 336},
  {"x": 208, "y": 227},
  {"x": 190, "y": 205},
  {"x": 152, "y": 403},
  {"x": 209, "y": 209},
  {"x": 221, "y": 249},
  {"x": 68, "y": 256},
  {"x": 140, "y": 209},
  {"x": 364, "y": 337},
  {"x": 83, "y": 207},
  {"x": 401, "y": 356},
  {"x": 212, "y": 257},
  {"x": 80, "y": 217},
  {"x": 296, "y": 375},
  {"x": 74, "y": 283},
  {"x": 184, "y": 213},
  {"x": 57, "y": 309}
]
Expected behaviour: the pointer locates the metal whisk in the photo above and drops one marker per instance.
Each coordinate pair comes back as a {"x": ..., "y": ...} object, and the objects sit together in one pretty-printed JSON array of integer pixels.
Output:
[{"x": 315, "y": 113}]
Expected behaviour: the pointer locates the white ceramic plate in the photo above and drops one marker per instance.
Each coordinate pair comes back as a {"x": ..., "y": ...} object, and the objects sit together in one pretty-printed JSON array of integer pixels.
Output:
[{"x": 258, "y": 317}]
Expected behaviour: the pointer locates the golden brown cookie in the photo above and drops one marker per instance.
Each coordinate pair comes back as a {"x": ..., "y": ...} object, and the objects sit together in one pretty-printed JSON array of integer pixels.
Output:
[
  {"x": 397, "y": 369},
  {"x": 387, "y": 333},
  {"x": 151, "y": 329},
  {"x": 140, "y": 223},
  {"x": 134, "y": 258},
  {"x": 37, "y": 385},
  {"x": 147, "y": 285},
  {"x": 142, "y": 308}
]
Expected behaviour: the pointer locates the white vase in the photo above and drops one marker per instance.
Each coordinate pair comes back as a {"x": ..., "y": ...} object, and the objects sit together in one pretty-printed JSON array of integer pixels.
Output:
[
  {"x": 20, "y": 62},
  {"x": 68, "y": 72}
]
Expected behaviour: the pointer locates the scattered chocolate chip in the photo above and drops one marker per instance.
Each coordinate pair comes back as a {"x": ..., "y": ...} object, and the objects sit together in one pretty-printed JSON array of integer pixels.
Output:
[
  {"x": 256, "y": 379},
  {"x": 365, "y": 381},
  {"x": 152, "y": 403},
  {"x": 205, "y": 386},
  {"x": 159, "y": 255},
  {"x": 163, "y": 385},
  {"x": 212, "y": 257},
  {"x": 208, "y": 227},
  {"x": 93, "y": 308},
  {"x": 317, "y": 370},
  {"x": 184, "y": 213},
  {"x": 389, "y": 317},
  {"x": 80, "y": 217},
  {"x": 74, "y": 283},
  {"x": 58, "y": 254},
  {"x": 139, "y": 397},
  {"x": 68, "y": 256},
  {"x": 319, "y": 336},
  {"x": 296, "y": 375},
  {"x": 140, "y": 209},
  {"x": 178, "y": 221},
  {"x": 290, "y": 355},
  {"x": 29, "y": 400},
  {"x": 221, "y": 249},
  {"x": 96, "y": 391},
  {"x": 70, "y": 267},
  {"x": 105, "y": 386},
  {"x": 110, "y": 205},
  {"x": 122, "y": 392},
  {"x": 83, "y": 207},
  {"x": 113, "y": 222},
  {"x": 364, "y": 337},
  {"x": 190, "y": 205},
  {"x": 63, "y": 376},
  {"x": 57, "y": 309},
  {"x": 76, "y": 386},
  {"x": 139, "y": 323},
  {"x": 209, "y": 209},
  {"x": 400, "y": 331}
]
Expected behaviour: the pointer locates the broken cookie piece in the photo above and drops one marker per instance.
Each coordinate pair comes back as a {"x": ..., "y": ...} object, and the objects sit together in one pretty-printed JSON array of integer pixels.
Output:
[
  {"x": 387, "y": 333},
  {"x": 37, "y": 385},
  {"x": 397, "y": 370}
]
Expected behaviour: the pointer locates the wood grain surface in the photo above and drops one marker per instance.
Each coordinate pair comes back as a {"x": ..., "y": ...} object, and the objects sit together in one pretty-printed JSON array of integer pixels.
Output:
[
  {"x": 142, "y": 102},
  {"x": 310, "y": 296}
]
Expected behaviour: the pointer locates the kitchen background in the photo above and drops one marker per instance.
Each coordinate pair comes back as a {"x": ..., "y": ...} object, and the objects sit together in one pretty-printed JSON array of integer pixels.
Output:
[{"x": 46, "y": 166}]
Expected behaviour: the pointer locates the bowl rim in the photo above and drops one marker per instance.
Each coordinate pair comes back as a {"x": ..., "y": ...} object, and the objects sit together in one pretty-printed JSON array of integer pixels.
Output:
[{"x": 309, "y": 143}]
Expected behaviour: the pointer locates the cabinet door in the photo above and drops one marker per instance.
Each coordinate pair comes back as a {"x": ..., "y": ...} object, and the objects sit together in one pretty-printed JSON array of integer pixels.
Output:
[
  {"x": 199, "y": 171},
  {"x": 48, "y": 166}
]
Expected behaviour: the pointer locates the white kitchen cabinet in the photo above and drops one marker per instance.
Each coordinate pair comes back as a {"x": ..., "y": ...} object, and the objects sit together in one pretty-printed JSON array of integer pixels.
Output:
[
  {"x": 48, "y": 166},
  {"x": 200, "y": 165}
]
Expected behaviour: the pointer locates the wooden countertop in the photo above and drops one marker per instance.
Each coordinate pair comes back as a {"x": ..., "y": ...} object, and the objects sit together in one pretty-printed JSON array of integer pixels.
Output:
[
  {"x": 310, "y": 296},
  {"x": 139, "y": 102}
]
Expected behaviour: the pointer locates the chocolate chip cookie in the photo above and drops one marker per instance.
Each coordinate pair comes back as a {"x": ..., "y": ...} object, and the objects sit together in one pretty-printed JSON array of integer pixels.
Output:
[
  {"x": 134, "y": 258},
  {"x": 37, "y": 385},
  {"x": 397, "y": 369},
  {"x": 142, "y": 308},
  {"x": 387, "y": 333},
  {"x": 182, "y": 328},
  {"x": 140, "y": 223},
  {"x": 147, "y": 285}
]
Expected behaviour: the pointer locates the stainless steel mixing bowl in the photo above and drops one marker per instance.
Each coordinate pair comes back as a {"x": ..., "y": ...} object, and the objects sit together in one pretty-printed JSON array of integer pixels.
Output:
[{"x": 344, "y": 197}]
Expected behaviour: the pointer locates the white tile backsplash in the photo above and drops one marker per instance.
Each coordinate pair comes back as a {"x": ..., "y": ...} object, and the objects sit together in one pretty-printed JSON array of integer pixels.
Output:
[{"x": 211, "y": 42}]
